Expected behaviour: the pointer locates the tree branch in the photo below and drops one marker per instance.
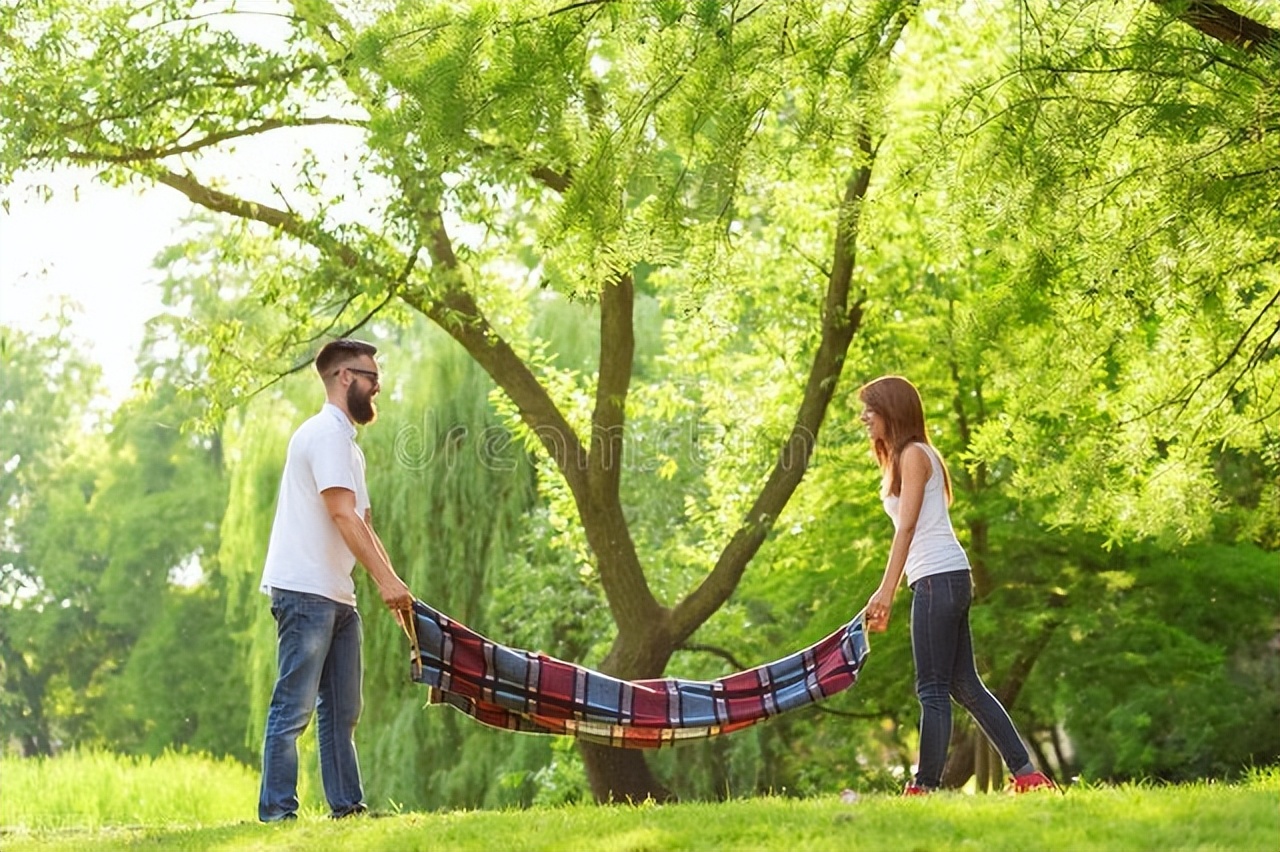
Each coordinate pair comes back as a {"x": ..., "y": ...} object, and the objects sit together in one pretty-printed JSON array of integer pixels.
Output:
[
  {"x": 393, "y": 291},
  {"x": 145, "y": 154},
  {"x": 1235, "y": 351},
  {"x": 1227, "y": 26},
  {"x": 457, "y": 313},
  {"x": 714, "y": 650},
  {"x": 581, "y": 4},
  {"x": 559, "y": 181},
  {"x": 350, "y": 330},
  {"x": 874, "y": 714},
  {"x": 1192, "y": 387},
  {"x": 840, "y": 321},
  {"x": 283, "y": 220},
  {"x": 162, "y": 95}
]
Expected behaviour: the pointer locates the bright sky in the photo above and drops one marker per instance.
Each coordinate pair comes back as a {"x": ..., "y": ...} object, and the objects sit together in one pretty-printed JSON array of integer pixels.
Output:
[{"x": 94, "y": 248}]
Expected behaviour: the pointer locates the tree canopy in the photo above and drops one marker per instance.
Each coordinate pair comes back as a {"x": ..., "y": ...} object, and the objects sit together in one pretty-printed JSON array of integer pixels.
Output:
[{"x": 1057, "y": 220}]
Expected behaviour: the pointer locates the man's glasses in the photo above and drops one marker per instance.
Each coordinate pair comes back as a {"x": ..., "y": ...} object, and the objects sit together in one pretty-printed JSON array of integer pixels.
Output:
[{"x": 371, "y": 375}]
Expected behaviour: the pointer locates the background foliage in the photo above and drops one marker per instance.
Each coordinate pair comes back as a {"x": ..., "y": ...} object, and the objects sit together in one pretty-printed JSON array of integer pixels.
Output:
[{"x": 1068, "y": 244}]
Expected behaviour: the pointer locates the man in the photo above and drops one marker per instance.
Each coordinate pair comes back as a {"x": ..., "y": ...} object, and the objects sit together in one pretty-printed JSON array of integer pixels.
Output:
[{"x": 322, "y": 528}]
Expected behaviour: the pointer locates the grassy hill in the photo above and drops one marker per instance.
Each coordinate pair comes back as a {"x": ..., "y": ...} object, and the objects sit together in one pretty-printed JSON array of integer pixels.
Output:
[{"x": 205, "y": 805}]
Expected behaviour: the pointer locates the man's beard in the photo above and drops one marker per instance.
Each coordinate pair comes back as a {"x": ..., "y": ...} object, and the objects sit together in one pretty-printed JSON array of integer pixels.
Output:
[{"x": 360, "y": 405}]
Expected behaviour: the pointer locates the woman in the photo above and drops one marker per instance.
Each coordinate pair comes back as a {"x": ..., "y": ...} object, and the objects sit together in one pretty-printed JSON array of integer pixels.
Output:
[{"x": 916, "y": 490}]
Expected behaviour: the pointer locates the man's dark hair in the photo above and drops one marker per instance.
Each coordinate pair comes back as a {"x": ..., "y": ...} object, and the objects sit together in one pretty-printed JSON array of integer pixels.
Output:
[{"x": 337, "y": 352}]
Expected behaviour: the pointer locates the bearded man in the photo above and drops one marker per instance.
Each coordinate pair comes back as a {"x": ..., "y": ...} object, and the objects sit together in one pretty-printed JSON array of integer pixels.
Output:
[{"x": 322, "y": 527}]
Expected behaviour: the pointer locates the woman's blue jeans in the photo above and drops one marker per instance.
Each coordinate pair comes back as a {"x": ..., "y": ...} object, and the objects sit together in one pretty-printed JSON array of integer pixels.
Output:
[
  {"x": 318, "y": 644},
  {"x": 943, "y": 648}
]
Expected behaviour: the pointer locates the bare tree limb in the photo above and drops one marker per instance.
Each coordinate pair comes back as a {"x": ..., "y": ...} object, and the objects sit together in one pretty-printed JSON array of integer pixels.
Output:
[
  {"x": 559, "y": 181},
  {"x": 1184, "y": 396},
  {"x": 1235, "y": 351},
  {"x": 581, "y": 4},
  {"x": 350, "y": 330},
  {"x": 163, "y": 95},
  {"x": 715, "y": 651}
]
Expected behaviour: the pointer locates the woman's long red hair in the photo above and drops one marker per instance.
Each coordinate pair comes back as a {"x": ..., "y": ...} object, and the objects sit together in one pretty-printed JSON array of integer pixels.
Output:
[{"x": 898, "y": 403}]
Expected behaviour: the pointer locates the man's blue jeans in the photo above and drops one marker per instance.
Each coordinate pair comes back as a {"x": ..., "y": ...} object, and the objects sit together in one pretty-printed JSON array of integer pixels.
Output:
[
  {"x": 318, "y": 649},
  {"x": 943, "y": 648}
]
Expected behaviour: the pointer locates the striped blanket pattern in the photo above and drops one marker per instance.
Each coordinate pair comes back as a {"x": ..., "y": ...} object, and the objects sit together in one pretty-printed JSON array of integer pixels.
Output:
[{"x": 530, "y": 692}]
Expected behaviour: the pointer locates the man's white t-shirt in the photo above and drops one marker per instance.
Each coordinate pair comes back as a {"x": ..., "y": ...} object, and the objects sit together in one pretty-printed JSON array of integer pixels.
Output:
[{"x": 306, "y": 552}]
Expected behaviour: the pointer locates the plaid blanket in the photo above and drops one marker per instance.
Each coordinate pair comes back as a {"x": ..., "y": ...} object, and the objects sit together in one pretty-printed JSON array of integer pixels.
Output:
[{"x": 528, "y": 691}]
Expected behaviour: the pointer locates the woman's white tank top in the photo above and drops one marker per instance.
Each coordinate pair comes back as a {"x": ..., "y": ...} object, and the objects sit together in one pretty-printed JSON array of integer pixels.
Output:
[{"x": 934, "y": 548}]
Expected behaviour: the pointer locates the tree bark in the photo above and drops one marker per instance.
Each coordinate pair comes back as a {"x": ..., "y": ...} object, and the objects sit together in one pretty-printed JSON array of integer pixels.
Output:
[
  {"x": 1226, "y": 25},
  {"x": 621, "y": 775},
  {"x": 624, "y": 775}
]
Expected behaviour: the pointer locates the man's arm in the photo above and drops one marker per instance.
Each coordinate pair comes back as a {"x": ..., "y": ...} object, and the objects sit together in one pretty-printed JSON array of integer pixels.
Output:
[
  {"x": 368, "y": 550},
  {"x": 377, "y": 540}
]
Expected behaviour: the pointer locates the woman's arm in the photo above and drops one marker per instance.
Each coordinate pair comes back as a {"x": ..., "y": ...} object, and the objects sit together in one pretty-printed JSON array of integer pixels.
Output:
[{"x": 916, "y": 470}]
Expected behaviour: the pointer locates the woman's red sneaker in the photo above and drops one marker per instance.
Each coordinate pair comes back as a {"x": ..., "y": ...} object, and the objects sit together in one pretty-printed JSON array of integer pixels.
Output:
[
  {"x": 1033, "y": 781},
  {"x": 916, "y": 790}
]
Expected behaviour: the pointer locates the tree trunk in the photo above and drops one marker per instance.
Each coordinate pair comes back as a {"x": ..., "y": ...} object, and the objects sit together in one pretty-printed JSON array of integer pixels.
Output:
[
  {"x": 618, "y": 774},
  {"x": 621, "y": 775},
  {"x": 986, "y": 763},
  {"x": 961, "y": 756},
  {"x": 30, "y": 729}
]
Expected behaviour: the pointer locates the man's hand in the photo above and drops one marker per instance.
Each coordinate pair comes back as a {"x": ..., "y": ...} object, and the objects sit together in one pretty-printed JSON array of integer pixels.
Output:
[{"x": 396, "y": 595}]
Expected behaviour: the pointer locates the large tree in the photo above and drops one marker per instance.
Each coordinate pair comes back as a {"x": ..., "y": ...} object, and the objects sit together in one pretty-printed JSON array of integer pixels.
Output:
[
  {"x": 715, "y": 159},
  {"x": 607, "y": 141}
]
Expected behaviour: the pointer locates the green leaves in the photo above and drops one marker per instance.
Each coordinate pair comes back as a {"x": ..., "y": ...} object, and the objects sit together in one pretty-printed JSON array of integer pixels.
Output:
[
  {"x": 1068, "y": 241},
  {"x": 1085, "y": 167}
]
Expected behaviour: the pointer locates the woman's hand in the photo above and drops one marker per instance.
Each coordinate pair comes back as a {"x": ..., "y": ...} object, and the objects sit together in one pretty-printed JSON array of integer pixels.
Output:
[{"x": 879, "y": 607}]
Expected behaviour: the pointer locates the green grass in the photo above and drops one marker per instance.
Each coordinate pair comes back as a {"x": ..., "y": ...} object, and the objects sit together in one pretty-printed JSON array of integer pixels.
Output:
[
  {"x": 100, "y": 789},
  {"x": 1206, "y": 816}
]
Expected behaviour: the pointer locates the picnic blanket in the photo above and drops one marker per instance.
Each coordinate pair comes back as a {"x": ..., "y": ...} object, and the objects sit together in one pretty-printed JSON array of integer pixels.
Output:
[{"x": 531, "y": 692}]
